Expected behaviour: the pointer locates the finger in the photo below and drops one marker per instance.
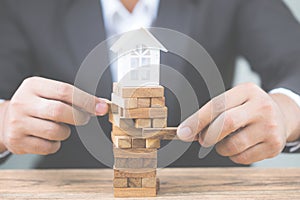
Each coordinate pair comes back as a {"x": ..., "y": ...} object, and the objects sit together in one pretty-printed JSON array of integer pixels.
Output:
[
  {"x": 69, "y": 94},
  {"x": 256, "y": 153},
  {"x": 47, "y": 129},
  {"x": 34, "y": 145},
  {"x": 58, "y": 112},
  {"x": 227, "y": 123},
  {"x": 203, "y": 117},
  {"x": 240, "y": 141}
]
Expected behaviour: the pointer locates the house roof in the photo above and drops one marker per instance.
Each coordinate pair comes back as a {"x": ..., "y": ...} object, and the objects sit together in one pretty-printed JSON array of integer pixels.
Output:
[{"x": 131, "y": 39}]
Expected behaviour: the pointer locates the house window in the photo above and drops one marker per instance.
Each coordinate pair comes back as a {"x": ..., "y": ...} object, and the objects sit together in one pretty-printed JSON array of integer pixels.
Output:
[
  {"x": 134, "y": 62},
  {"x": 146, "y": 61},
  {"x": 140, "y": 57}
]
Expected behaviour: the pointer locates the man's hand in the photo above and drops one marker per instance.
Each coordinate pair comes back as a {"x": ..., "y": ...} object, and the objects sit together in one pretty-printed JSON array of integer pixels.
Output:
[
  {"x": 245, "y": 123},
  {"x": 35, "y": 119}
]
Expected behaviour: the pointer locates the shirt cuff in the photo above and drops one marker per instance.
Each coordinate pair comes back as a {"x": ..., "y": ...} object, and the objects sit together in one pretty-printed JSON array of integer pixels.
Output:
[
  {"x": 5, "y": 153},
  {"x": 295, "y": 97},
  {"x": 291, "y": 146}
]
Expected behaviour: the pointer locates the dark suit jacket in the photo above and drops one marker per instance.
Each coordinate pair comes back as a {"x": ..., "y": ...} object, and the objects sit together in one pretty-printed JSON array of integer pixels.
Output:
[{"x": 51, "y": 39}]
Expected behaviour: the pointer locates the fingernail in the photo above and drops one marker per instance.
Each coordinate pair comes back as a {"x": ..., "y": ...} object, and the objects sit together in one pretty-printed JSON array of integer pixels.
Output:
[
  {"x": 101, "y": 108},
  {"x": 184, "y": 133}
]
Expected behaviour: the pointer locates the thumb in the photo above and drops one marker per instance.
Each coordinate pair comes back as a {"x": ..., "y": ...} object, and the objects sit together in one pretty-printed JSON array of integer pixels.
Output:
[
  {"x": 190, "y": 128},
  {"x": 101, "y": 106}
]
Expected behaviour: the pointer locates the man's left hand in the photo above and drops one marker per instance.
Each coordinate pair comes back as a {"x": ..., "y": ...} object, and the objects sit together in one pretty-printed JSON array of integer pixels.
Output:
[{"x": 246, "y": 124}]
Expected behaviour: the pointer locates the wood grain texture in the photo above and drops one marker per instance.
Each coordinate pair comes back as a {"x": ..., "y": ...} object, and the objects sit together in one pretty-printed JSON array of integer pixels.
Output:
[
  {"x": 152, "y": 143},
  {"x": 149, "y": 182},
  {"x": 120, "y": 182},
  {"x": 143, "y": 102},
  {"x": 123, "y": 142},
  {"x": 140, "y": 92},
  {"x": 159, "y": 123},
  {"x": 134, "y": 173},
  {"x": 135, "y": 182},
  {"x": 137, "y": 192},
  {"x": 127, "y": 103},
  {"x": 135, "y": 153},
  {"x": 116, "y": 131},
  {"x": 176, "y": 183},
  {"x": 158, "y": 102},
  {"x": 138, "y": 143},
  {"x": 146, "y": 113},
  {"x": 143, "y": 123},
  {"x": 167, "y": 133}
]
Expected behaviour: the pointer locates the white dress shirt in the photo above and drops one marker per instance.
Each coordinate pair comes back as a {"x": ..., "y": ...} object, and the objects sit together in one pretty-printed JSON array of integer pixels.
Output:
[{"x": 117, "y": 20}]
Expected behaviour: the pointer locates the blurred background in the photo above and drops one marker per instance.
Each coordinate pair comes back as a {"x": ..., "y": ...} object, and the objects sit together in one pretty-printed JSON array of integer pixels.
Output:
[{"x": 243, "y": 73}]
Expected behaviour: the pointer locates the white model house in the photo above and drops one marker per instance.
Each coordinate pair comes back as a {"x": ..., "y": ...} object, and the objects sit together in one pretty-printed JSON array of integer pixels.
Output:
[{"x": 138, "y": 58}]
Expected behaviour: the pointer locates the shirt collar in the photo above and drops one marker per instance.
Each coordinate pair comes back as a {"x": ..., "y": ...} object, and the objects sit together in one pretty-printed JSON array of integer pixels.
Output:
[{"x": 110, "y": 7}]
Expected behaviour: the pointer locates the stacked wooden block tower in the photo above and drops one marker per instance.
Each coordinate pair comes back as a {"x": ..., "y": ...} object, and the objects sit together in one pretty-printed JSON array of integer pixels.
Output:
[
  {"x": 138, "y": 114},
  {"x": 139, "y": 118}
]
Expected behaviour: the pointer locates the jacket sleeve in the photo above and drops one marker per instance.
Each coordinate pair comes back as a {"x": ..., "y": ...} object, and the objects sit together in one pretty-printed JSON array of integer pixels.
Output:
[
  {"x": 268, "y": 36},
  {"x": 16, "y": 61}
]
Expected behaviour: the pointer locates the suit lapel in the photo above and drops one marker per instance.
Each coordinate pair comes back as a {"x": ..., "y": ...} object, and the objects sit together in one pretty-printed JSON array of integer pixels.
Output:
[
  {"x": 175, "y": 15},
  {"x": 84, "y": 27}
]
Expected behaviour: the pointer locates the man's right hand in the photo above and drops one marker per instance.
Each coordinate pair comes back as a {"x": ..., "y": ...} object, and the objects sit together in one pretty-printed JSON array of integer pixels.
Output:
[{"x": 36, "y": 119}]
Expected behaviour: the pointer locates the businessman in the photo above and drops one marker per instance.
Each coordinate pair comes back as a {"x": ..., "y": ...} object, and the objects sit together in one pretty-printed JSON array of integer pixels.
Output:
[{"x": 42, "y": 44}]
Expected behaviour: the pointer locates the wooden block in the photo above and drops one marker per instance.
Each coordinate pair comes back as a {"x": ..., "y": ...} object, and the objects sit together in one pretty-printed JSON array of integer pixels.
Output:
[
  {"x": 135, "y": 182},
  {"x": 158, "y": 102},
  {"x": 116, "y": 120},
  {"x": 134, "y": 173},
  {"x": 149, "y": 163},
  {"x": 144, "y": 113},
  {"x": 123, "y": 142},
  {"x": 135, "y": 153},
  {"x": 114, "y": 108},
  {"x": 159, "y": 123},
  {"x": 149, "y": 182},
  {"x": 157, "y": 185},
  {"x": 115, "y": 87},
  {"x": 121, "y": 163},
  {"x": 134, "y": 192},
  {"x": 136, "y": 163},
  {"x": 123, "y": 123},
  {"x": 116, "y": 131},
  {"x": 110, "y": 117},
  {"x": 144, "y": 102},
  {"x": 120, "y": 182},
  {"x": 140, "y": 92},
  {"x": 152, "y": 143},
  {"x": 127, "y": 103},
  {"x": 138, "y": 143},
  {"x": 132, "y": 132},
  {"x": 143, "y": 123},
  {"x": 162, "y": 133}
]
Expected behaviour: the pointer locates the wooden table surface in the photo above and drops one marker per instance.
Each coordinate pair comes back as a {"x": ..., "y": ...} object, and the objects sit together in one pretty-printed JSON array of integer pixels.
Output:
[{"x": 176, "y": 183}]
